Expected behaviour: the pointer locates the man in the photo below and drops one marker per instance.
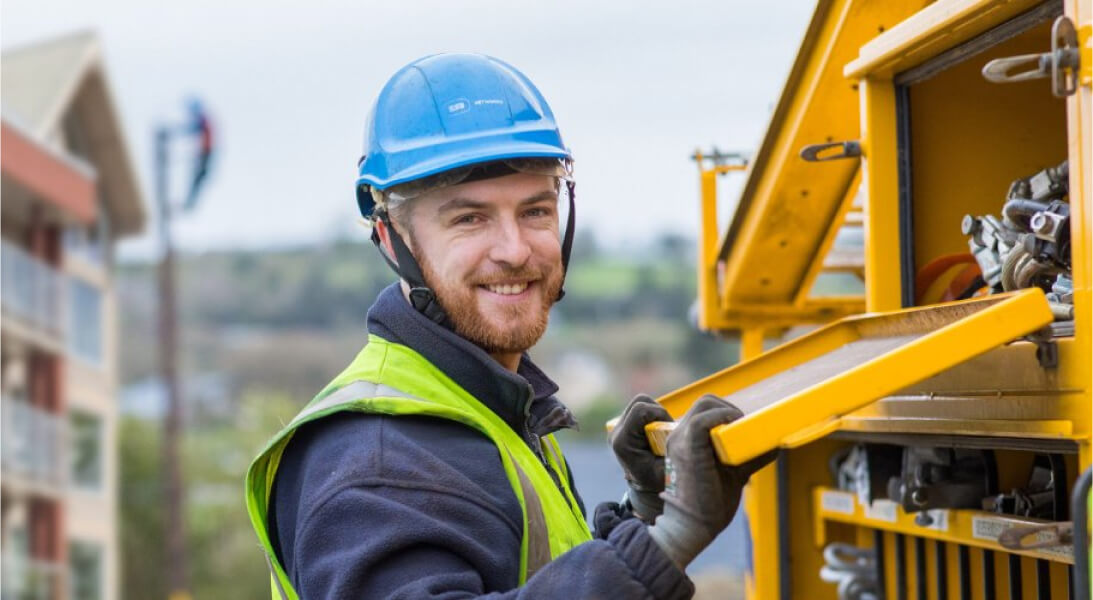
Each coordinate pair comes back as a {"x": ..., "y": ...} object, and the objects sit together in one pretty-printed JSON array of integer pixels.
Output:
[{"x": 429, "y": 468}]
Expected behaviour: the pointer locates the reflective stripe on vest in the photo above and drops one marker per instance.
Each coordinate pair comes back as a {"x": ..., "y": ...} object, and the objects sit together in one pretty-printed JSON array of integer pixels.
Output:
[{"x": 378, "y": 382}]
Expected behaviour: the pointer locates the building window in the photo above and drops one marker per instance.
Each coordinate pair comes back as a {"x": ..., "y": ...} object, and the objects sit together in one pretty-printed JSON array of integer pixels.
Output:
[
  {"x": 86, "y": 450},
  {"x": 85, "y": 328},
  {"x": 85, "y": 242},
  {"x": 85, "y": 571}
]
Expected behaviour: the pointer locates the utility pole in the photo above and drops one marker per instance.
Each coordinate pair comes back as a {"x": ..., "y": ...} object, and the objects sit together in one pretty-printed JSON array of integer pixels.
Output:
[
  {"x": 178, "y": 581},
  {"x": 178, "y": 564}
]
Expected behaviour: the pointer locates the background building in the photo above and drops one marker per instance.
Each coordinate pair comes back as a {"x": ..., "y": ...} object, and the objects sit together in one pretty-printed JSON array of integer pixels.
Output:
[{"x": 69, "y": 193}]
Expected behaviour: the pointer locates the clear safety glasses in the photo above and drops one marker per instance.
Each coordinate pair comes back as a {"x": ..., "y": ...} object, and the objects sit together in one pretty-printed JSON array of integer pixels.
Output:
[{"x": 551, "y": 167}]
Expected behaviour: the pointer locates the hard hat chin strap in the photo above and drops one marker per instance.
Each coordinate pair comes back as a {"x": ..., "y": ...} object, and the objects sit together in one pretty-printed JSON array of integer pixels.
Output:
[
  {"x": 567, "y": 239},
  {"x": 422, "y": 298}
]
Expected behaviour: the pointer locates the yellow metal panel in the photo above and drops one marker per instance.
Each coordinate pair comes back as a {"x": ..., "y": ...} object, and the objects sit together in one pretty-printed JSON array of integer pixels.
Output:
[
  {"x": 775, "y": 316},
  {"x": 932, "y": 30},
  {"x": 1056, "y": 429},
  {"x": 657, "y": 434},
  {"x": 708, "y": 305},
  {"x": 881, "y": 208},
  {"x": 807, "y": 468},
  {"x": 751, "y": 343},
  {"x": 1006, "y": 383},
  {"x": 1010, "y": 371},
  {"x": 967, "y": 527},
  {"x": 895, "y": 351},
  {"x": 797, "y": 392},
  {"x": 822, "y": 260},
  {"x": 844, "y": 366},
  {"x": 788, "y": 205},
  {"x": 762, "y": 515},
  {"x": 1079, "y": 112}
]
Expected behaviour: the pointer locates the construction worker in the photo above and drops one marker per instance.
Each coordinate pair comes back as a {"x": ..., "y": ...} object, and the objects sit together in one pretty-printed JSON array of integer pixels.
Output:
[{"x": 429, "y": 466}]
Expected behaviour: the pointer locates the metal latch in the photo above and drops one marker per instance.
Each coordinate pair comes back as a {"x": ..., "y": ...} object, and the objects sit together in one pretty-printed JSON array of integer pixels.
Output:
[
  {"x": 1061, "y": 64},
  {"x": 847, "y": 149},
  {"x": 1034, "y": 537}
]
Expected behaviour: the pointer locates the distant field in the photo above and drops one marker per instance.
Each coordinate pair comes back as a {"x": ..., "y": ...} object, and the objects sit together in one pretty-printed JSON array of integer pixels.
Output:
[{"x": 617, "y": 277}]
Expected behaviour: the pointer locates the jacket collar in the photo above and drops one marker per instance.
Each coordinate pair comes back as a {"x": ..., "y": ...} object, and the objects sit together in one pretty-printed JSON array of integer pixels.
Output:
[{"x": 524, "y": 400}]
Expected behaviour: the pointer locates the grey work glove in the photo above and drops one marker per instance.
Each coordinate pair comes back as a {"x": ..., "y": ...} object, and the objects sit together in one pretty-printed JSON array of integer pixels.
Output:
[
  {"x": 702, "y": 494},
  {"x": 644, "y": 470}
]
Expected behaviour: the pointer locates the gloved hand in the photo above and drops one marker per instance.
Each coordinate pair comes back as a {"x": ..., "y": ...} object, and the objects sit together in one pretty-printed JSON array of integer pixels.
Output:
[
  {"x": 644, "y": 470},
  {"x": 702, "y": 494}
]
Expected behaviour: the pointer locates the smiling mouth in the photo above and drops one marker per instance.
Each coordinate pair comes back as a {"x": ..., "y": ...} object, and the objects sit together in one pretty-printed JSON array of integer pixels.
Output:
[{"x": 508, "y": 289}]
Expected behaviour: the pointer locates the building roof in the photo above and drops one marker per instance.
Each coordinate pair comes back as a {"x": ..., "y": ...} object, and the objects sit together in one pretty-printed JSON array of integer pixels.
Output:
[{"x": 49, "y": 83}]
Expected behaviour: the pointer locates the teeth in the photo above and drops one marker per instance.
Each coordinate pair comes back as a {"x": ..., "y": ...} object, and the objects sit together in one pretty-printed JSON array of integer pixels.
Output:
[{"x": 508, "y": 290}]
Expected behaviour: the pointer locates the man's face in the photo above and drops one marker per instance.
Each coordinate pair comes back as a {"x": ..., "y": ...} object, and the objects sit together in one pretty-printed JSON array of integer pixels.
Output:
[{"x": 490, "y": 251}]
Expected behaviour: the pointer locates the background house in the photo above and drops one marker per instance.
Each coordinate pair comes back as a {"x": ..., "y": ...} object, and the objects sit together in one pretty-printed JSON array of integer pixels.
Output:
[{"x": 69, "y": 193}]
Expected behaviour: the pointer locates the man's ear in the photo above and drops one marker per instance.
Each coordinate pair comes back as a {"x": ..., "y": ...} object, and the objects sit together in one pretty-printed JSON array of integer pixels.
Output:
[{"x": 384, "y": 235}]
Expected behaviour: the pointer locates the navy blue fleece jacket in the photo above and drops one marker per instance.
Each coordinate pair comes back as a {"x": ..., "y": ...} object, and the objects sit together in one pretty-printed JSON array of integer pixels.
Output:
[{"x": 373, "y": 506}]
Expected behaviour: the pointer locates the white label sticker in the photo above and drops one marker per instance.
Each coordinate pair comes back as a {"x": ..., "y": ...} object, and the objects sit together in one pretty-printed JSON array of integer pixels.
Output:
[
  {"x": 459, "y": 105},
  {"x": 838, "y": 502},
  {"x": 1066, "y": 551},
  {"x": 882, "y": 510},
  {"x": 987, "y": 528}
]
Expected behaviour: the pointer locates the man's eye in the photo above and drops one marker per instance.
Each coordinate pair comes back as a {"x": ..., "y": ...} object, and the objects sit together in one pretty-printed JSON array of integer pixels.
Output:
[
  {"x": 538, "y": 211},
  {"x": 465, "y": 219}
]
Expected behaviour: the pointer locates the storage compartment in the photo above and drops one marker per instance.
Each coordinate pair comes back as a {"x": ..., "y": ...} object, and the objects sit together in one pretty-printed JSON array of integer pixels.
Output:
[
  {"x": 956, "y": 544},
  {"x": 963, "y": 142},
  {"x": 802, "y": 390}
]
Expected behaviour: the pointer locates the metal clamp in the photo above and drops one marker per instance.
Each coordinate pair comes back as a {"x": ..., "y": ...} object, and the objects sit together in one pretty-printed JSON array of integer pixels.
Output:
[
  {"x": 1064, "y": 58},
  {"x": 849, "y": 149},
  {"x": 1061, "y": 64},
  {"x": 1048, "y": 535},
  {"x": 1000, "y": 70}
]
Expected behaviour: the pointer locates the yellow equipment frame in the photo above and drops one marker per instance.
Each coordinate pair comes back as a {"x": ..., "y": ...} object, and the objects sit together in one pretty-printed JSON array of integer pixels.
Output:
[
  {"x": 958, "y": 383},
  {"x": 802, "y": 390}
]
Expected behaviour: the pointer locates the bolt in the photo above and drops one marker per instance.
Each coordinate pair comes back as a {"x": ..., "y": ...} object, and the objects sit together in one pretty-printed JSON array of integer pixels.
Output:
[
  {"x": 969, "y": 225},
  {"x": 923, "y": 519},
  {"x": 1040, "y": 223}
]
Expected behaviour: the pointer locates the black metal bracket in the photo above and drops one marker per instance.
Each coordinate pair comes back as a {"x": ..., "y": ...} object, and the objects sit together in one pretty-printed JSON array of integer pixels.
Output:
[
  {"x": 847, "y": 149},
  {"x": 1079, "y": 509},
  {"x": 1047, "y": 352}
]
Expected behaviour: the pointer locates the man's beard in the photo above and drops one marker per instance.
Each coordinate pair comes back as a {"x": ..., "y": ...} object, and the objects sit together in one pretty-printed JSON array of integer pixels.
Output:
[{"x": 460, "y": 303}]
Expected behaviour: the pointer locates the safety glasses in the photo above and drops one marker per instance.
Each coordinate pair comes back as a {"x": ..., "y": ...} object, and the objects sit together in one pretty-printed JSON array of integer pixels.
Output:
[{"x": 552, "y": 167}]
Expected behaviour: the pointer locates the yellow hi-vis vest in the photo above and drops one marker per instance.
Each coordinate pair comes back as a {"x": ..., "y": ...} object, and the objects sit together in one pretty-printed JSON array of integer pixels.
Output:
[{"x": 391, "y": 379}]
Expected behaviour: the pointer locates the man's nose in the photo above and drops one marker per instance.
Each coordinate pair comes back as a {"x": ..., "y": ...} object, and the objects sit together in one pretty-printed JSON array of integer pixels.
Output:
[{"x": 510, "y": 245}]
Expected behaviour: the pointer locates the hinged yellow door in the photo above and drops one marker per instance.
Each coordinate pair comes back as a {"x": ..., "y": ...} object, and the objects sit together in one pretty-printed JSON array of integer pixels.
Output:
[{"x": 798, "y": 392}]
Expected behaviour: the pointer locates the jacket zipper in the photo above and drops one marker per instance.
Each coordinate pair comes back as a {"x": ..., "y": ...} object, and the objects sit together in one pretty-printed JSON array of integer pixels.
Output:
[{"x": 536, "y": 446}]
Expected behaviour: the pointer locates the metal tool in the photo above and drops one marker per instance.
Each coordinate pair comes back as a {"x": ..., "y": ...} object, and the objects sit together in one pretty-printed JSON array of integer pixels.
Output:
[
  {"x": 1032, "y": 537},
  {"x": 865, "y": 469},
  {"x": 1029, "y": 246},
  {"x": 1043, "y": 497},
  {"x": 942, "y": 478},
  {"x": 1060, "y": 64},
  {"x": 853, "y": 569}
]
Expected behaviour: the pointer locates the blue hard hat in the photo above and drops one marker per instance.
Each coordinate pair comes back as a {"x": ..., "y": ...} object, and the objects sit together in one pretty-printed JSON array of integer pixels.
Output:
[{"x": 451, "y": 110}]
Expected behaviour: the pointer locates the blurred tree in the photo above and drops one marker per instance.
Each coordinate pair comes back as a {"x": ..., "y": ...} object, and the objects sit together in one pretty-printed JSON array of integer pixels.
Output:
[
  {"x": 141, "y": 506},
  {"x": 224, "y": 557}
]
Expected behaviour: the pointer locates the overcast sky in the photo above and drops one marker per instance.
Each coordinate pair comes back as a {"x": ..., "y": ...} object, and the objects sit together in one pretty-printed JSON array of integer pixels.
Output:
[{"x": 635, "y": 86}]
